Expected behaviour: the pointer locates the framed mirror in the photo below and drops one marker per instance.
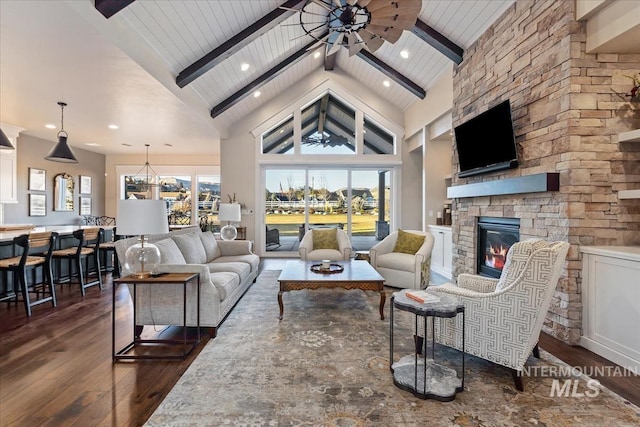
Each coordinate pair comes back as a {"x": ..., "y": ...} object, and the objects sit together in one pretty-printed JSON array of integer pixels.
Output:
[{"x": 63, "y": 192}]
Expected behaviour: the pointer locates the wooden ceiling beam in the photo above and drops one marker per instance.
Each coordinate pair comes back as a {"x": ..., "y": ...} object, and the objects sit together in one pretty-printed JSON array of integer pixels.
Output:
[
  {"x": 393, "y": 74},
  {"x": 108, "y": 8},
  {"x": 237, "y": 42},
  {"x": 263, "y": 79},
  {"x": 438, "y": 41}
]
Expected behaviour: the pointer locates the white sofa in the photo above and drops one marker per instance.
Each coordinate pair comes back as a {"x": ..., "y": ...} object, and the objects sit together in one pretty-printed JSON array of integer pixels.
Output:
[{"x": 227, "y": 269}]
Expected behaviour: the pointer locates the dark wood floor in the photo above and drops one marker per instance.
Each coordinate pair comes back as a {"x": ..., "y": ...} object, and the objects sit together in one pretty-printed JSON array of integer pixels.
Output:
[{"x": 56, "y": 367}]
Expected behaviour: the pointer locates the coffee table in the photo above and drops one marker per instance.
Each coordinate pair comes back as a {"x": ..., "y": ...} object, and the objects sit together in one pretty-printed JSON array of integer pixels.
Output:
[{"x": 297, "y": 275}]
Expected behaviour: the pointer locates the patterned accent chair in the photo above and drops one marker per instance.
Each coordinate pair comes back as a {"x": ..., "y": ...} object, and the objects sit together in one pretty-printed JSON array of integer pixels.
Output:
[
  {"x": 504, "y": 316},
  {"x": 402, "y": 270}
]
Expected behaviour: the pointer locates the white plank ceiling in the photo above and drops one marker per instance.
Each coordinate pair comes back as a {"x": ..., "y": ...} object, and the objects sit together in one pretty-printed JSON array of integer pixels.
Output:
[{"x": 154, "y": 40}]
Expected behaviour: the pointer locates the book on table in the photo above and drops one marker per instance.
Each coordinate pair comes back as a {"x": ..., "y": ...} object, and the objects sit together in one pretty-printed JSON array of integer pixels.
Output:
[{"x": 422, "y": 296}]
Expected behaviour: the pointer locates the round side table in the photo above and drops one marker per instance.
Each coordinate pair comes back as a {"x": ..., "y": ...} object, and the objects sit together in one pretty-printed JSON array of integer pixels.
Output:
[{"x": 423, "y": 376}]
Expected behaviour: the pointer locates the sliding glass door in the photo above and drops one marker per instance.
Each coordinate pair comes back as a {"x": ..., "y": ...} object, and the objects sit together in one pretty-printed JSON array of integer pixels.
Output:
[{"x": 357, "y": 200}]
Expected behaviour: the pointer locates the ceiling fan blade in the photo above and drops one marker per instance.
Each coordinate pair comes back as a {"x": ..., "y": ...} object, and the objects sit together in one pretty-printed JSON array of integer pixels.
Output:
[
  {"x": 362, "y": 3},
  {"x": 337, "y": 3},
  {"x": 355, "y": 43},
  {"x": 336, "y": 45},
  {"x": 371, "y": 41},
  {"x": 319, "y": 42},
  {"x": 402, "y": 8},
  {"x": 352, "y": 2},
  {"x": 404, "y": 23},
  {"x": 378, "y": 4},
  {"x": 391, "y": 35}
]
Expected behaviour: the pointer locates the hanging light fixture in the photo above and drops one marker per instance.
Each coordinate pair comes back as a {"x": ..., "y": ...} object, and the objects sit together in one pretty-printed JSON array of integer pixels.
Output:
[
  {"x": 61, "y": 152},
  {"x": 144, "y": 182},
  {"x": 5, "y": 143}
]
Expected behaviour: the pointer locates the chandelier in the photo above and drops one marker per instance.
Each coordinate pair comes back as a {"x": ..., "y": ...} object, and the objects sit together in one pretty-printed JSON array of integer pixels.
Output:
[
  {"x": 358, "y": 24},
  {"x": 144, "y": 181}
]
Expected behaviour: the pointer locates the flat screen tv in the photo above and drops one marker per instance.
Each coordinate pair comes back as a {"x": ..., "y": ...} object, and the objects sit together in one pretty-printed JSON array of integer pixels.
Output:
[{"x": 486, "y": 143}]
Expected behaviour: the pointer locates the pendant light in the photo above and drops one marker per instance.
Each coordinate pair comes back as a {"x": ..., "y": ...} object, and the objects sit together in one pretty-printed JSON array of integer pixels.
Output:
[
  {"x": 61, "y": 152},
  {"x": 4, "y": 141}
]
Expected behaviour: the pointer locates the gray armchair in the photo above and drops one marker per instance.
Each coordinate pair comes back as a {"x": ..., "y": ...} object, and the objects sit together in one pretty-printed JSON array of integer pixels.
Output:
[{"x": 272, "y": 238}]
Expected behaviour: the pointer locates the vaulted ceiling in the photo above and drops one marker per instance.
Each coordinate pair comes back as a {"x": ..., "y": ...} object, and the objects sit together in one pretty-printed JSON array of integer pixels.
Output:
[{"x": 171, "y": 71}]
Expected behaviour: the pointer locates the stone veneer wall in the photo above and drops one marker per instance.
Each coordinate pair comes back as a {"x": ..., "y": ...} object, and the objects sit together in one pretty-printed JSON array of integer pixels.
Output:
[{"x": 567, "y": 115}]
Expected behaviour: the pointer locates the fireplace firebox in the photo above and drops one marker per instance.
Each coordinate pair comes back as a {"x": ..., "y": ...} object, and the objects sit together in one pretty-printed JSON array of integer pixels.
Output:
[{"x": 495, "y": 237}]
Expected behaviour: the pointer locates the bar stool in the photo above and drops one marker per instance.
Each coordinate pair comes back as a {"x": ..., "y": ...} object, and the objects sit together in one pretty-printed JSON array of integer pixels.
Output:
[
  {"x": 32, "y": 245},
  {"x": 88, "y": 248},
  {"x": 107, "y": 249}
]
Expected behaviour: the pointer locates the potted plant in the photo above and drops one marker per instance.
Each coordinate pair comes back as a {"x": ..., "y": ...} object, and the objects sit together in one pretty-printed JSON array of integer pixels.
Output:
[{"x": 634, "y": 93}]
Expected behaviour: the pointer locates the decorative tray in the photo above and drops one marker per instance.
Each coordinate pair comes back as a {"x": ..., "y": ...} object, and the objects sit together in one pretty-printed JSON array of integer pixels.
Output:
[{"x": 333, "y": 268}]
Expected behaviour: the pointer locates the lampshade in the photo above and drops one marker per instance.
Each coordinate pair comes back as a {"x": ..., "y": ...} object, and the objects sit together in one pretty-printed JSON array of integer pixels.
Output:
[
  {"x": 229, "y": 212},
  {"x": 61, "y": 152},
  {"x": 142, "y": 216},
  {"x": 4, "y": 141}
]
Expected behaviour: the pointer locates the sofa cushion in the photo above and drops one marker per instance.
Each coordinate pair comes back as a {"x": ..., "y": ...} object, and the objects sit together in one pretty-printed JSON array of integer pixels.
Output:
[
  {"x": 169, "y": 252},
  {"x": 191, "y": 247},
  {"x": 210, "y": 244},
  {"x": 225, "y": 283},
  {"x": 242, "y": 269},
  {"x": 408, "y": 243},
  {"x": 325, "y": 239},
  {"x": 251, "y": 259},
  {"x": 397, "y": 261}
]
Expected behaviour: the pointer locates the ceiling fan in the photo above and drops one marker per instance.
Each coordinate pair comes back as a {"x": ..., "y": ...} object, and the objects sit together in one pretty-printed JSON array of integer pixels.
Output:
[
  {"x": 325, "y": 139},
  {"x": 358, "y": 24}
]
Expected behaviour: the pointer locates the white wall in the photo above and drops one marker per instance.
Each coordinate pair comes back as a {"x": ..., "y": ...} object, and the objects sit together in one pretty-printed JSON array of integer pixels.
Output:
[
  {"x": 429, "y": 120},
  {"x": 239, "y": 168}
]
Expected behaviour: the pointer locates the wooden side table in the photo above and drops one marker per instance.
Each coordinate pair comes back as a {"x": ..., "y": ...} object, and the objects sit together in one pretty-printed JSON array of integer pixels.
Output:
[
  {"x": 242, "y": 233},
  {"x": 164, "y": 278},
  {"x": 363, "y": 255}
]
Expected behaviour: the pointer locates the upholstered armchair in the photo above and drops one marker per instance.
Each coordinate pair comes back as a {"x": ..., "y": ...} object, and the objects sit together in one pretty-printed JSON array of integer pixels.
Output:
[
  {"x": 325, "y": 243},
  {"x": 400, "y": 268},
  {"x": 504, "y": 316}
]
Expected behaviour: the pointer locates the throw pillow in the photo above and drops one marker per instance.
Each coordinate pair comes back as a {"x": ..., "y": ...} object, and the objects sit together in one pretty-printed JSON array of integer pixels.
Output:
[
  {"x": 191, "y": 247},
  {"x": 326, "y": 238},
  {"x": 408, "y": 243},
  {"x": 169, "y": 252},
  {"x": 210, "y": 244}
]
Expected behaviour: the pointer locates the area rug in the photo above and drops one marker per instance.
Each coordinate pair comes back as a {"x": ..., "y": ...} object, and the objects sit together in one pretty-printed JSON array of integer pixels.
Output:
[{"x": 327, "y": 364}]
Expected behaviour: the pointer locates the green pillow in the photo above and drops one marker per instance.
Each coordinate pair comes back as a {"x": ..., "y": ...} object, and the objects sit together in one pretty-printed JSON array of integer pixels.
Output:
[
  {"x": 326, "y": 238},
  {"x": 408, "y": 243}
]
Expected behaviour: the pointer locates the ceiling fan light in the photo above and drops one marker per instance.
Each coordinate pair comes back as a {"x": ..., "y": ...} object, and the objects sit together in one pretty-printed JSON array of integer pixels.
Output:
[{"x": 5, "y": 143}]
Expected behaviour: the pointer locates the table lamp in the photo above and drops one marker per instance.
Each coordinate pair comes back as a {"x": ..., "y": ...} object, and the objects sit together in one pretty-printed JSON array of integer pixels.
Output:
[
  {"x": 229, "y": 212},
  {"x": 142, "y": 217}
]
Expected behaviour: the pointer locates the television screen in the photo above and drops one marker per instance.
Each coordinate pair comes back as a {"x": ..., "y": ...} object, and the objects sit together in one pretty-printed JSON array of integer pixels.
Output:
[{"x": 486, "y": 143}]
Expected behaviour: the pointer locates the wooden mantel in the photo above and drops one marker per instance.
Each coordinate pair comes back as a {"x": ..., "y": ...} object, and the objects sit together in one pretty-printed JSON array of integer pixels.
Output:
[{"x": 540, "y": 182}]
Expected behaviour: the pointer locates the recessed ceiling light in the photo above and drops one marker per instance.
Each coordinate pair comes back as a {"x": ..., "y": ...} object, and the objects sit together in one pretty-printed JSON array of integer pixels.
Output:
[
  {"x": 50, "y": 126},
  {"x": 386, "y": 83},
  {"x": 113, "y": 126},
  {"x": 92, "y": 144},
  {"x": 126, "y": 145},
  {"x": 316, "y": 55},
  {"x": 244, "y": 66},
  {"x": 256, "y": 94},
  {"x": 404, "y": 54}
]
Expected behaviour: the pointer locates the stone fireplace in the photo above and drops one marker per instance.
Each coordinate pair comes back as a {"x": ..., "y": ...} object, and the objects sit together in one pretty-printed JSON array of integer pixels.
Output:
[
  {"x": 567, "y": 117},
  {"x": 495, "y": 237}
]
